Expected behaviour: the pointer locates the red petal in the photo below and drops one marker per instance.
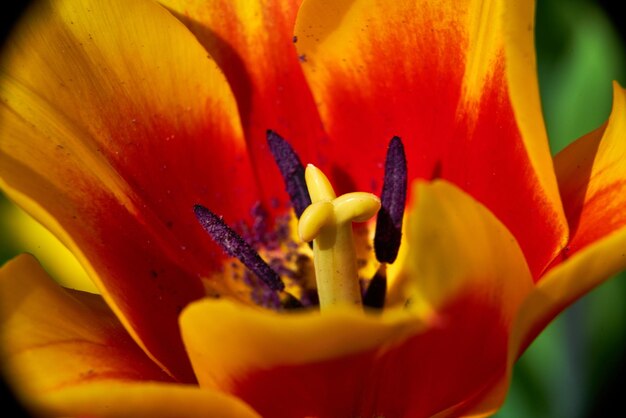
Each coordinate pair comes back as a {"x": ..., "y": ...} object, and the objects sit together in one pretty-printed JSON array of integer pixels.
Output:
[{"x": 253, "y": 44}]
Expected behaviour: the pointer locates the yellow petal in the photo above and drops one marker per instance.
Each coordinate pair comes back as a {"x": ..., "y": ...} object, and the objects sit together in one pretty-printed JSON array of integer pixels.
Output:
[
  {"x": 52, "y": 339},
  {"x": 456, "y": 80}
]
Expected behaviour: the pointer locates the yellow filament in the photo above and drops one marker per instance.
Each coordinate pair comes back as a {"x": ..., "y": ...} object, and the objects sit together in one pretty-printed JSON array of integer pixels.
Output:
[{"x": 328, "y": 222}]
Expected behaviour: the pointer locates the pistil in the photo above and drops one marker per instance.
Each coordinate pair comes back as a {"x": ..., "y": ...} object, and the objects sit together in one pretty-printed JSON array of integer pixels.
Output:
[{"x": 328, "y": 222}]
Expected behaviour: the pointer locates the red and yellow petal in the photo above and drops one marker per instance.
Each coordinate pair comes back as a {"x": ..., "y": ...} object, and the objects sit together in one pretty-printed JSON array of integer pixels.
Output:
[
  {"x": 559, "y": 288},
  {"x": 149, "y": 399},
  {"x": 465, "y": 277},
  {"x": 454, "y": 242},
  {"x": 457, "y": 82},
  {"x": 592, "y": 180},
  {"x": 286, "y": 365},
  {"x": 462, "y": 263},
  {"x": 252, "y": 41},
  {"x": 591, "y": 174},
  {"x": 114, "y": 124},
  {"x": 52, "y": 339}
]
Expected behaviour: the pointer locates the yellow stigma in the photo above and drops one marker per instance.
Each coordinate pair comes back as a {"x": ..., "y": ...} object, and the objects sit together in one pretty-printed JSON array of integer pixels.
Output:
[{"x": 328, "y": 223}]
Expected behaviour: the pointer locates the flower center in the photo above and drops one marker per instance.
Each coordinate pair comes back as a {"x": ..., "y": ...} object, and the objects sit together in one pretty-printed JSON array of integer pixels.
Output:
[{"x": 326, "y": 220}]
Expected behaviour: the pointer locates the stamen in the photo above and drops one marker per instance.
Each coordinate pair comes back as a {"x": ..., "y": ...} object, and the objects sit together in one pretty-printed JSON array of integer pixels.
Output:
[
  {"x": 235, "y": 246},
  {"x": 393, "y": 199},
  {"x": 377, "y": 290},
  {"x": 291, "y": 302},
  {"x": 292, "y": 171}
]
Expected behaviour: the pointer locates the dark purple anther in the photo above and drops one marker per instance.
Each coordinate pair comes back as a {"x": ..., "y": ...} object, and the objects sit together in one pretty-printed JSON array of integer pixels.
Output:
[
  {"x": 235, "y": 246},
  {"x": 292, "y": 171},
  {"x": 376, "y": 292},
  {"x": 393, "y": 199}
]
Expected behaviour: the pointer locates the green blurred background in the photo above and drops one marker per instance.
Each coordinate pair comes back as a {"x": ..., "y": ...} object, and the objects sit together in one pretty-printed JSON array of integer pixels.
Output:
[{"x": 576, "y": 368}]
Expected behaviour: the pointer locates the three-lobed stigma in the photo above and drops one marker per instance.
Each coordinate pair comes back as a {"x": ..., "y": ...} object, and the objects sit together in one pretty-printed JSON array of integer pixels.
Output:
[{"x": 328, "y": 222}]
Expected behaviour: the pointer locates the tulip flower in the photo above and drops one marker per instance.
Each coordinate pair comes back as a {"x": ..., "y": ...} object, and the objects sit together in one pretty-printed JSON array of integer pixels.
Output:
[{"x": 165, "y": 144}]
